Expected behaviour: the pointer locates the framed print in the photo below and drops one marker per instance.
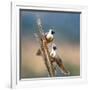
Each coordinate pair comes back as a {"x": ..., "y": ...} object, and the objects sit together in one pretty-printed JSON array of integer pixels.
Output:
[{"x": 48, "y": 44}]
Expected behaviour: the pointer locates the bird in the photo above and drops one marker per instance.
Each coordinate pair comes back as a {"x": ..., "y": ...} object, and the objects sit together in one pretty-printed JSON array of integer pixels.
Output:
[
  {"x": 53, "y": 51},
  {"x": 48, "y": 38},
  {"x": 56, "y": 60},
  {"x": 49, "y": 35}
]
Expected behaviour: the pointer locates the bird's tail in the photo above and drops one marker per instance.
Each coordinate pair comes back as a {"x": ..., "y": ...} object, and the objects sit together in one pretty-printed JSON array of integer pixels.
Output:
[{"x": 62, "y": 67}]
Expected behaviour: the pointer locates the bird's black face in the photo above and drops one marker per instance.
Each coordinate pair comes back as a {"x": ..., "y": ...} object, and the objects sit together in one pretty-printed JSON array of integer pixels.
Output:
[
  {"x": 52, "y": 32},
  {"x": 54, "y": 47}
]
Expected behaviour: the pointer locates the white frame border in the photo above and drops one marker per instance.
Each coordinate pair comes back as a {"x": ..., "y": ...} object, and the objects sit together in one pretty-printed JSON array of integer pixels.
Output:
[{"x": 15, "y": 82}]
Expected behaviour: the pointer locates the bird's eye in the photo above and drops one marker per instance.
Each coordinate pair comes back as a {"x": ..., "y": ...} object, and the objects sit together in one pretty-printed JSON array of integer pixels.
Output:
[
  {"x": 54, "y": 48},
  {"x": 52, "y": 32}
]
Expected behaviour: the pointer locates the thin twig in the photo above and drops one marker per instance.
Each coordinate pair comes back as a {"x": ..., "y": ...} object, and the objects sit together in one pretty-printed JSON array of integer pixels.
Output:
[{"x": 44, "y": 49}]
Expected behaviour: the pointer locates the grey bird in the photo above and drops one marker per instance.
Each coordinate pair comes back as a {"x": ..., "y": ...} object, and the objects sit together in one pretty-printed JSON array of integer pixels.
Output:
[{"x": 56, "y": 60}]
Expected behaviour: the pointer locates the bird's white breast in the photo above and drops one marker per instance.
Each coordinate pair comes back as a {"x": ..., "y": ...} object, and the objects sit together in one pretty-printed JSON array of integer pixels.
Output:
[
  {"x": 53, "y": 53},
  {"x": 49, "y": 36}
]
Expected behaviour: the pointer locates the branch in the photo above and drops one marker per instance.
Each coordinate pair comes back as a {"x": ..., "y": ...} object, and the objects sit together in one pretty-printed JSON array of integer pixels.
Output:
[{"x": 44, "y": 49}]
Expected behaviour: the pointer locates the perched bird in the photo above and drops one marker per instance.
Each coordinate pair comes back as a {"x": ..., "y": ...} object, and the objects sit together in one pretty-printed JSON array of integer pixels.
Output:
[
  {"x": 49, "y": 35},
  {"x": 56, "y": 60},
  {"x": 49, "y": 38},
  {"x": 53, "y": 56},
  {"x": 53, "y": 52}
]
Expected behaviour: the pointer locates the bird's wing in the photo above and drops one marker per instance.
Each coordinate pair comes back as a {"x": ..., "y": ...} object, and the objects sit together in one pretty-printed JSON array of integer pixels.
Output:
[{"x": 58, "y": 60}]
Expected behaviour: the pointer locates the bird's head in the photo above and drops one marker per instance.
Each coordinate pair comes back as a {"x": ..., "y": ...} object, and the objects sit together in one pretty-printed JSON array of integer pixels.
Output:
[
  {"x": 54, "y": 47},
  {"x": 52, "y": 31}
]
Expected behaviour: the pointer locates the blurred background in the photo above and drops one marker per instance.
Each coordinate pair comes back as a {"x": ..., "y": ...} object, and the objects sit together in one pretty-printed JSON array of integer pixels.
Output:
[{"x": 67, "y": 39}]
